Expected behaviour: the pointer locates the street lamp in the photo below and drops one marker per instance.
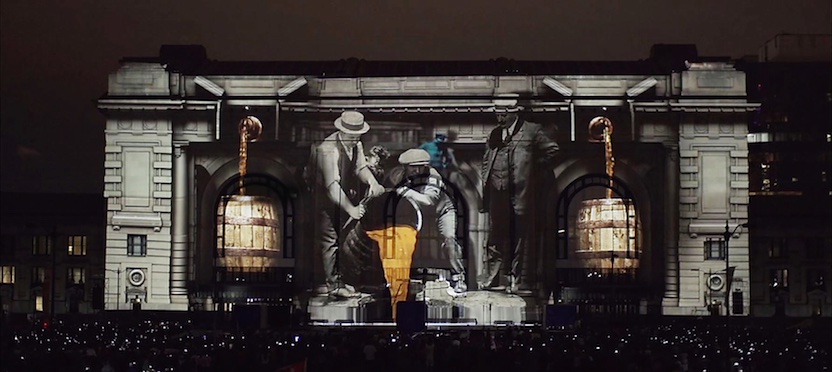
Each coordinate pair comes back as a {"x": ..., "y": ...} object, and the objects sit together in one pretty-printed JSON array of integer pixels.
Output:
[
  {"x": 118, "y": 285},
  {"x": 728, "y": 276}
]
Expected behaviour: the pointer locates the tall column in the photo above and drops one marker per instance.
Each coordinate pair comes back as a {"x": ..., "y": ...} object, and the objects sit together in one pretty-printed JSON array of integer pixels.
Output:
[
  {"x": 671, "y": 233},
  {"x": 179, "y": 249}
]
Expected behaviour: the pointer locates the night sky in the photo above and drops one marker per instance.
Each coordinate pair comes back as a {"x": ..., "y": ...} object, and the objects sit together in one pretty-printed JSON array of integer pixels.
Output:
[{"x": 56, "y": 55}]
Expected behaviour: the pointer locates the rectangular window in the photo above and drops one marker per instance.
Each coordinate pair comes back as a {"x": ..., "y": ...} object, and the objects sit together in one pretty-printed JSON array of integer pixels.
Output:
[
  {"x": 779, "y": 278},
  {"x": 714, "y": 249},
  {"x": 75, "y": 275},
  {"x": 6, "y": 274},
  {"x": 77, "y": 245},
  {"x": 778, "y": 248},
  {"x": 38, "y": 275},
  {"x": 137, "y": 245},
  {"x": 38, "y": 303},
  {"x": 41, "y": 245}
]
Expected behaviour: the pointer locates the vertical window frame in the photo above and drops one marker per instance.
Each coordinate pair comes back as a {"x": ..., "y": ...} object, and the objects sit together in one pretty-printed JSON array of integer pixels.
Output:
[
  {"x": 712, "y": 245},
  {"x": 77, "y": 245},
  {"x": 74, "y": 273},
  {"x": 7, "y": 274},
  {"x": 38, "y": 275},
  {"x": 137, "y": 245},
  {"x": 41, "y": 245}
]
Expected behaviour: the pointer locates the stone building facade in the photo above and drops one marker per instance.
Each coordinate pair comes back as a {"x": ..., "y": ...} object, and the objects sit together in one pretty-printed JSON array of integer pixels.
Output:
[{"x": 680, "y": 148}]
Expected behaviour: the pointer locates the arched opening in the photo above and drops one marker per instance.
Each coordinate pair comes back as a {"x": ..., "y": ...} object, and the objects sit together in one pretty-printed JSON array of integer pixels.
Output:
[
  {"x": 598, "y": 246},
  {"x": 254, "y": 237}
]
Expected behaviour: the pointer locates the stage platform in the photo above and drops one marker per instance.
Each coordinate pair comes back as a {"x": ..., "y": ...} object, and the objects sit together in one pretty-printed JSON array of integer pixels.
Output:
[{"x": 443, "y": 309}]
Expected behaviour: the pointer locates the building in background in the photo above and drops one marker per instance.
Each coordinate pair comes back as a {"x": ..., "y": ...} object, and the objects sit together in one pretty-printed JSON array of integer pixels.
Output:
[
  {"x": 52, "y": 254},
  {"x": 790, "y": 172}
]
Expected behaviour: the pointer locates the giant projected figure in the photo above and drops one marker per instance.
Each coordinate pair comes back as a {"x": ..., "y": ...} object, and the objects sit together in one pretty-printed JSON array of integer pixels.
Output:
[
  {"x": 513, "y": 148},
  {"x": 425, "y": 186},
  {"x": 340, "y": 168}
]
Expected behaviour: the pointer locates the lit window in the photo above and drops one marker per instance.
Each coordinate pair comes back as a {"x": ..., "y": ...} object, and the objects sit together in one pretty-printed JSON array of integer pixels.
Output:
[
  {"x": 714, "y": 249},
  {"x": 779, "y": 278},
  {"x": 38, "y": 303},
  {"x": 137, "y": 245},
  {"x": 38, "y": 275},
  {"x": 7, "y": 274},
  {"x": 41, "y": 245},
  {"x": 77, "y": 245},
  {"x": 75, "y": 275}
]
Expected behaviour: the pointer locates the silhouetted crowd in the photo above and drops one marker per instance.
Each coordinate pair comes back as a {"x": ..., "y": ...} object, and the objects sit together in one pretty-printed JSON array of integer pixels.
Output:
[{"x": 688, "y": 345}]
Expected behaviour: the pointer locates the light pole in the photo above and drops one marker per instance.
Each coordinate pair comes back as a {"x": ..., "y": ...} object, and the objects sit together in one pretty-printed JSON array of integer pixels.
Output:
[
  {"x": 118, "y": 285},
  {"x": 728, "y": 277}
]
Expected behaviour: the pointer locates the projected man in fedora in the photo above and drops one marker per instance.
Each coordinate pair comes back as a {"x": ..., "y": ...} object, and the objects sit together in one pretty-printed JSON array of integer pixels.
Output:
[
  {"x": 340, "y": 168},
  {"x": 513, "y": 149}
]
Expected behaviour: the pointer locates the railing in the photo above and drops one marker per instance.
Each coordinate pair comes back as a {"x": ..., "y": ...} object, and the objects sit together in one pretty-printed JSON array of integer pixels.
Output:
[
  {"x": 596, "y": 277},
  {"x": 265, "y": 275}
]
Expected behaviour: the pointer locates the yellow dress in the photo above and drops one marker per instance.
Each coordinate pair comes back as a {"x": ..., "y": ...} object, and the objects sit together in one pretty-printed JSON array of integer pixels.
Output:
[{"x": 396, "y": 246}]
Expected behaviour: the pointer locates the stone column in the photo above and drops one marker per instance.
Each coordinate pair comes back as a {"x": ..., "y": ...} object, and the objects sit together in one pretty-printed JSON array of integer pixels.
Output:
[
  {"x": 179, "y": 249},
  {"x": 671, "y": 228}
]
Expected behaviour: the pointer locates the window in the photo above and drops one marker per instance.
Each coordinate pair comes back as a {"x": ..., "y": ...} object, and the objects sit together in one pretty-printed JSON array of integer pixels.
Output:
[
  {"x": 714, "y": 249},
  {"x": 38, "y": 303},
  {"x": 38, "y": 275},
  {"x": 778, "y": 248},
  {"x": 137, "y": 245},
  {"x": 779, "y": 278},
  {"x": 77, "y": 245},
  {"x": 6, "y": 274},
  {"x": 75, "y": 275},
  {"x": 41, "y": 245}
]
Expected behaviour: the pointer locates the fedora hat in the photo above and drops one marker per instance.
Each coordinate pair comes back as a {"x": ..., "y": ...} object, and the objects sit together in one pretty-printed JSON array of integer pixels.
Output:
[
  {"x": 506, "y": 103},
  {"x": 352, "y": 122}
]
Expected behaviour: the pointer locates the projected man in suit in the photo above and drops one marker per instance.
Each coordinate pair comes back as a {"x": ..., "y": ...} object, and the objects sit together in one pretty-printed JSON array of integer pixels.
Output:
[{"x": 514, "y": 147}]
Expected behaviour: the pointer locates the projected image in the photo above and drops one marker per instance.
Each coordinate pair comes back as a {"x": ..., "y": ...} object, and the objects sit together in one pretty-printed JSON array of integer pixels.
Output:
[{"x": 400, "y": 222}]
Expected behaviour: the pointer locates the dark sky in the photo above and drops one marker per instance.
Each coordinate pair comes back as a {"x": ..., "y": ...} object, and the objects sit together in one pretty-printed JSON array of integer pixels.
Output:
[{"x": 56, "y": 54}]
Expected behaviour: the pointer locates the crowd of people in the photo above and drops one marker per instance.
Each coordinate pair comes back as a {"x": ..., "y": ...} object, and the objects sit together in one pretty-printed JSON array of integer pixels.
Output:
[{"x": 161, "y": 345}]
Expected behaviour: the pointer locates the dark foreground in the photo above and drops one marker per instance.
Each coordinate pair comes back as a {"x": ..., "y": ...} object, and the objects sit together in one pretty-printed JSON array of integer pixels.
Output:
[{"x": 667, "y": 344}]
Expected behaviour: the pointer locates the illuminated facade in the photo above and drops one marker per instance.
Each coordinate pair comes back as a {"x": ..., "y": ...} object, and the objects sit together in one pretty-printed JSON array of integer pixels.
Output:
[{"x": 681, "y": 160}]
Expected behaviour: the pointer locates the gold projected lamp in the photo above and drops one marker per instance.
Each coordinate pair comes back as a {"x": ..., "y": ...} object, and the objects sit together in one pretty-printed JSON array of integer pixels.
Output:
[
  {"x": 604, "y": 136},
  {"x": 249, "y": 228},
  {"x": 250, "y": 129},
  {"x": 607, "y": 227}
]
